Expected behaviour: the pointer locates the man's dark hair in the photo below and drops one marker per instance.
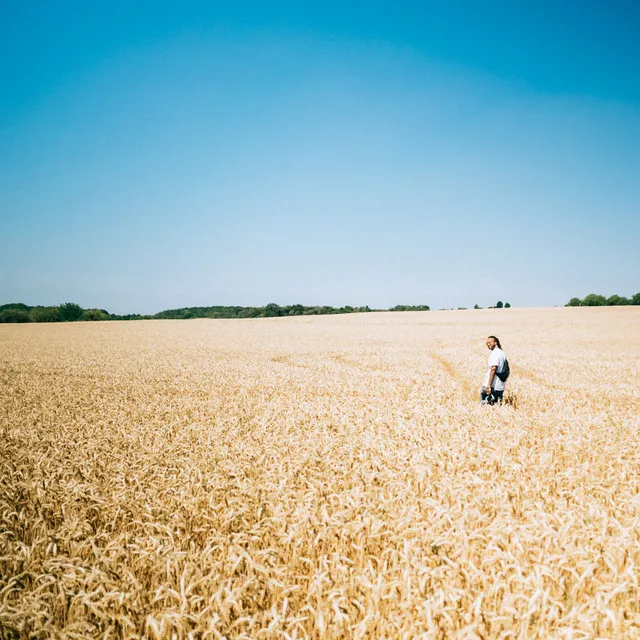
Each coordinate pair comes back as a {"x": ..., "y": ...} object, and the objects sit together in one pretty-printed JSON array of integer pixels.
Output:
[{"x": 497, "y": 341}]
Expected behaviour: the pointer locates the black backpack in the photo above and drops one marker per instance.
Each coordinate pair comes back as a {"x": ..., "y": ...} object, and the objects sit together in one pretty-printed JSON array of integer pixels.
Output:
[{"x": 504, "y": 374}]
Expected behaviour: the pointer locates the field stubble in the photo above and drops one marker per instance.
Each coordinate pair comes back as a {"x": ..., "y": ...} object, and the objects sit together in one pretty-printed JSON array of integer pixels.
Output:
[{"x": 321, "y": 477}]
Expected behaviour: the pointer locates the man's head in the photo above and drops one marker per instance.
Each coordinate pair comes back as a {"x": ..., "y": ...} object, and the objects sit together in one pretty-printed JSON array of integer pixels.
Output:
[{"x": 493, "y": 342}]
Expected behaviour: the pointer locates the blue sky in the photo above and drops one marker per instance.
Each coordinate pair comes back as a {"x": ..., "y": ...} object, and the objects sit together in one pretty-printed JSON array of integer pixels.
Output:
[{"x": 197, "y": 153}]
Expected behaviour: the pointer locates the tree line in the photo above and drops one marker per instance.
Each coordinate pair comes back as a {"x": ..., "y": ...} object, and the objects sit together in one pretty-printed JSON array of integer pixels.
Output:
[
  {"x": 498, "y": 305},
  {"x": 72, "y": 312},
  {"x": 271, "y": 310},
  {"x": 66, "y": 312},
  {"x": 596, "y": 300}
]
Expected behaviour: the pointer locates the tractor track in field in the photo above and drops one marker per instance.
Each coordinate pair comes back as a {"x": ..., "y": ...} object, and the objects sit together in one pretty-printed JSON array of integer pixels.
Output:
[{"x": 451, "y": 371}]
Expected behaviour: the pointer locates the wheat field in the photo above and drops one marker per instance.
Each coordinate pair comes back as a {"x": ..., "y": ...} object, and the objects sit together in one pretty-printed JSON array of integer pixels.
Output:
[{"x": 321, "y": 477}]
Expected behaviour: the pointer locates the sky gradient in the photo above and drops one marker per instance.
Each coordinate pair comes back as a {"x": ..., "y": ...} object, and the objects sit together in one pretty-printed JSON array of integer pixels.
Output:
[{"x": 204, "y": 153}]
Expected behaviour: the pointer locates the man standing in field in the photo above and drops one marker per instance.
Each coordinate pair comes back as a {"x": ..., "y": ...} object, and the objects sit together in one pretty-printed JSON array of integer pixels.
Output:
[{"x": 494, "y": 380}]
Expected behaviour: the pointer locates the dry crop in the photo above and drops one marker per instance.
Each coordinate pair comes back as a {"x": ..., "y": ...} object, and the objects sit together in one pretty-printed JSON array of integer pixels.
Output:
[{"x": 321, "y": 477}]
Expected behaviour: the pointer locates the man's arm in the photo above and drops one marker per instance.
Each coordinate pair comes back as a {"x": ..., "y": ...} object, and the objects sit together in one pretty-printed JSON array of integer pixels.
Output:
[{"x": 492, "y": 375}]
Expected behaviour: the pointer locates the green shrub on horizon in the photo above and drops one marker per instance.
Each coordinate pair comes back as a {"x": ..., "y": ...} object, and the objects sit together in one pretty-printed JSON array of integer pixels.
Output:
[
  {"x": 11, "y": 315},
  {"x": 71, "y": 311},
  {"x": 597, "y": 300},
  {"x": 410, "y": 307},
  {"x": 94, "y": 315},
  {"x": 15, "y": 305},
  {"x": 46, "y": 314}
]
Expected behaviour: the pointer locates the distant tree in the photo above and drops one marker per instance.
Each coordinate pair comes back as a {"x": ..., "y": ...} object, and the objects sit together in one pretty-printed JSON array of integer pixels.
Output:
[
  {"x": 15, "y": 305},
  {"x": 250, "y": 312},
  {"x": 574, "y": 302},
  {"x": 272, "y": 310},
  {"x": 499, "y": 304},
  {"x": 617, "y": 301},
  {"x": 594, "y": 300},
  {"x": 94, "y": 314},
  {"x": 14, "y": 315},
  {"x": 410, "y": 307},
  {"x": 507, "y": 305},
  {"x": 46, "y": 314},
  {"x": 635, "y": 299},
  {"x": 475, "y": 306},
  {"x": 70, "y": 311}
]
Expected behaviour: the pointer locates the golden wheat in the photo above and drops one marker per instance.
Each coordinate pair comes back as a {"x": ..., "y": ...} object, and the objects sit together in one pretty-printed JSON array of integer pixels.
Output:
[{"x": 321, "y": 477}]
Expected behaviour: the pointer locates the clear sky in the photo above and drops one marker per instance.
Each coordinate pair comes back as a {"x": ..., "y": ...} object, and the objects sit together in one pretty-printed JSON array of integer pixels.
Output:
[{"x": 160, "y": 154}]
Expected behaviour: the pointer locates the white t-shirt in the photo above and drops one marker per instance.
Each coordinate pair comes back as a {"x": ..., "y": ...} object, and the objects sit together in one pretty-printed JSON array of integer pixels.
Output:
[{"x": 496, "y": 359}]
